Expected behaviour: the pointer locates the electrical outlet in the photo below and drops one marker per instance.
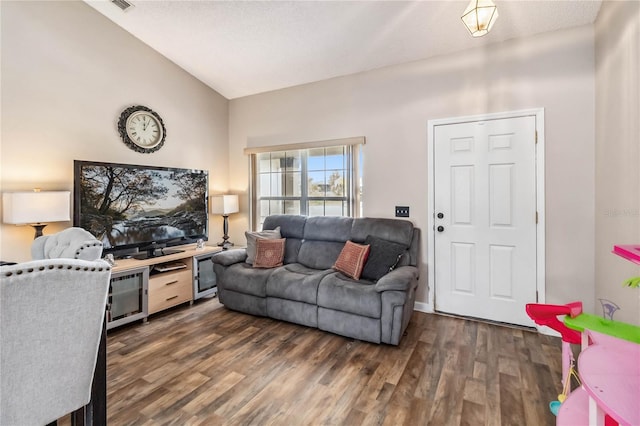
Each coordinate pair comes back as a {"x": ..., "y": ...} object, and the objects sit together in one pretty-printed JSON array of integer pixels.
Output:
[{"x": 402, "y": 211}]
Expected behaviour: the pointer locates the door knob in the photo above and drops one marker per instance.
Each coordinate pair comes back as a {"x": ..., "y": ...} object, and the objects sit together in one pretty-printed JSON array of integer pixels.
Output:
[
  {"x": 440, "y": 228},
  {"x": 440, "y": 215}
]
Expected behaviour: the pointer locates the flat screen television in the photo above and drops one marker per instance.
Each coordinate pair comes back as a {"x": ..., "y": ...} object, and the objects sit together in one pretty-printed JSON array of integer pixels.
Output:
[{"x": 139, "y": 210}]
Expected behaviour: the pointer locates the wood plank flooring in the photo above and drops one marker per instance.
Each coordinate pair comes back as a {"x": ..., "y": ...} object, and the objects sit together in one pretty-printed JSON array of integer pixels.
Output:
[{"x": 206, "y": 365}]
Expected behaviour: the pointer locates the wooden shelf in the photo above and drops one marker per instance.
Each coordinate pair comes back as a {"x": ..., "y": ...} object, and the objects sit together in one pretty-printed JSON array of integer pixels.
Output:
[{"x": 189, "y": 251}]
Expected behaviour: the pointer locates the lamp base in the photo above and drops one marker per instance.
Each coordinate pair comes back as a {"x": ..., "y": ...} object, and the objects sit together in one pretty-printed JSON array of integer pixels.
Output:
[
  {"x": 225, "y": 245},
  {"x": 38, "y": 227}
]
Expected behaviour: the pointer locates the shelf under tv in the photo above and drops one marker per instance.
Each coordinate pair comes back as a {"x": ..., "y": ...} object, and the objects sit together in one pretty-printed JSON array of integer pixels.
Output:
[{"x": 153, "y": 253}]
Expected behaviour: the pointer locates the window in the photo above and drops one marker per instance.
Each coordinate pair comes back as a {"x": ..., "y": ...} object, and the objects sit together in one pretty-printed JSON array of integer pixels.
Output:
[{"x": 314, "y": 181}]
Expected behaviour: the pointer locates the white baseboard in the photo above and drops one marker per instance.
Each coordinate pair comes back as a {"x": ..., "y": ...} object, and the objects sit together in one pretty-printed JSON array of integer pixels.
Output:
[{"x": 422, "y": 307}]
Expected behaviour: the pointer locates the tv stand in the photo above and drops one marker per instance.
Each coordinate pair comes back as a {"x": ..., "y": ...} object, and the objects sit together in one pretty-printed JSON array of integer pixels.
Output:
[
  {"x": 146, "y": 285},
  {"x": 155, "y": 252}
]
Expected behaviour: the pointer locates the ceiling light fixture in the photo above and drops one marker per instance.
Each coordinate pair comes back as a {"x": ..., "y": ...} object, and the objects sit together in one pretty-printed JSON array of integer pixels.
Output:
[{"x": 479, "y": 17}]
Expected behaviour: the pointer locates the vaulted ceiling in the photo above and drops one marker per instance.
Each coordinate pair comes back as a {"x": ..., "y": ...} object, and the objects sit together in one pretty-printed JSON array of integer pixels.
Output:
[{"x": 241, "y": 48}]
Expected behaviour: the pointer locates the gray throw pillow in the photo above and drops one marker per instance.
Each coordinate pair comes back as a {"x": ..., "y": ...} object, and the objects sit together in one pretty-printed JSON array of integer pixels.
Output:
[
  {"x": 384, "y": 255},
  {"x": 267, "y": 234}
]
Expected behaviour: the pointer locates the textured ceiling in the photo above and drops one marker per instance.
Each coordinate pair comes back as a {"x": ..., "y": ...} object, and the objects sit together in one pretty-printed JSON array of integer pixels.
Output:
[{"x": 240, "y": 48}]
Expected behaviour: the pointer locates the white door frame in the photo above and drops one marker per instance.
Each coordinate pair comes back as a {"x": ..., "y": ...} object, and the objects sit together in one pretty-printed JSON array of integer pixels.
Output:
[{"x": 538, "y": 113}]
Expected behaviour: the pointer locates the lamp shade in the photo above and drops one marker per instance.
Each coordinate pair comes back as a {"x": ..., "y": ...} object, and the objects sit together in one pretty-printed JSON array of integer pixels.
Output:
[
  {"x": 224, "y": 204},
  {"x": 36, "y": 207},
  {"x": 479, "y": 17}
]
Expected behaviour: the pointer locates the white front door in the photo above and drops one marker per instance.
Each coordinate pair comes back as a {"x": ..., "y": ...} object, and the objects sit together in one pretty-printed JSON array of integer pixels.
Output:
[{"x": 485, "y": 218}]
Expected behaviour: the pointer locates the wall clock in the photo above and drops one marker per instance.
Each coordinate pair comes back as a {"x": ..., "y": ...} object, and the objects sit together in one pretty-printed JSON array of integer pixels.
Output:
[{"x": 142, "y": 129}]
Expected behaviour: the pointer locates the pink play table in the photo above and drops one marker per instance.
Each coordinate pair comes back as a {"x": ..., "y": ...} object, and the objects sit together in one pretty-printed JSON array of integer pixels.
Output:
[{"x": 611, "y": 376}]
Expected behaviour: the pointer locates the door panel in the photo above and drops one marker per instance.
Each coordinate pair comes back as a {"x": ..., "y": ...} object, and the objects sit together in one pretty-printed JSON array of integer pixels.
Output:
[
  {"x": 485, "y": 187},
  {"x": 462, "y": 188}
]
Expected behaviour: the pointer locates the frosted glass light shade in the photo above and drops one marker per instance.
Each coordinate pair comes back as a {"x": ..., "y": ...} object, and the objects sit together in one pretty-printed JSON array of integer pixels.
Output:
[
  {"x": 224, "y": 204},
  {"x": 479, "y": 17},
  {"x": 36, "y": 207}
]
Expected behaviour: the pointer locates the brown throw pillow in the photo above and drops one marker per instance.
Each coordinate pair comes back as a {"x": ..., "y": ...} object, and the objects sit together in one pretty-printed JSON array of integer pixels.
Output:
[
  {"x": 352, "y": 259},
  {"x": 269, "y": 253}
]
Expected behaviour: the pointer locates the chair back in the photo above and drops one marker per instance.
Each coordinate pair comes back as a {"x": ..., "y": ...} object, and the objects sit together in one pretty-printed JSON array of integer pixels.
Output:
[
  {"x": 51, "y": 321},
  {"x": 71, "y": 243}
]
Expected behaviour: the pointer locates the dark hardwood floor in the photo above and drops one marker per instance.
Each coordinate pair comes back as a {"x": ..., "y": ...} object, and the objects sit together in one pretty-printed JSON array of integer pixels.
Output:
[{"x": 206, "y": 365}]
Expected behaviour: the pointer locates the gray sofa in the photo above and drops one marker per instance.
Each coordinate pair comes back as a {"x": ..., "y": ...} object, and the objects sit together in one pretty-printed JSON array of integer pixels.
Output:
[{"x": 306, "y": 290}]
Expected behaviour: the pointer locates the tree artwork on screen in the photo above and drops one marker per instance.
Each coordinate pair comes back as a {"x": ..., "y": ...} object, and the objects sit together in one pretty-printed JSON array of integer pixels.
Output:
[{"x": 123, "y": 205}]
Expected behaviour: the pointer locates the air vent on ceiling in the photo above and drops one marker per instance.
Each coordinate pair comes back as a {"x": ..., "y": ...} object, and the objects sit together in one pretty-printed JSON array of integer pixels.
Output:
[{"x": 122, "y": 4}]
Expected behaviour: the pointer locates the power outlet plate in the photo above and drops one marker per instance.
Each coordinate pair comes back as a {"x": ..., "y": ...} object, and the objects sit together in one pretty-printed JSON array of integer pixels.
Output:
[{"x": 402, "y": 211}]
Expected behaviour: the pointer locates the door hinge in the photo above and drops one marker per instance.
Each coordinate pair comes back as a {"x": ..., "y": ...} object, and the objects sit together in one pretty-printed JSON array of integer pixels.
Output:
[
  {"x": 536, "y": 137},
  {"x": 536, "y": 296},
  {"x": 536, "y": 218}
]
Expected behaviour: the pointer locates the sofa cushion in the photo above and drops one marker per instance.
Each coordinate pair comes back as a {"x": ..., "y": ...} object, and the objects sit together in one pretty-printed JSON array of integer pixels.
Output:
[
  {"x": 396, "y": 230},
  {"x": 269, "y": 253},
  {"x": 319, "y": 254},
  {"x": 242, "y": 302},
  {"x": 352, "y": 259},
  {"x": 292, "y": 311},
  {"x": 384, "y": 255},
  {"x": 291, "y": 226},
  {"x": 273, "y": 234},
  {"x": 244, "y": 278},
  {"x": 296, "y": 282},
  {"x": 328, "y": 228},
  {"x": 339, "y": 292},
  {"x": 347, "y": 324}
]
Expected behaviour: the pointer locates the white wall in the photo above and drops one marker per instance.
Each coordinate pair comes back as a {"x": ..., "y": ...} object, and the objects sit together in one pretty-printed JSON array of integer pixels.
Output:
[
  {"x": 391, "y": 107},
  {"x": 617, "y": 152},
  {"x": 67, "y": 74}
]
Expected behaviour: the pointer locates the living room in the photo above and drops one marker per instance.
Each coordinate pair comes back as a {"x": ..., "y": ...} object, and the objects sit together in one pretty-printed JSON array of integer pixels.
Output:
[{"x": 68, "y": 72}]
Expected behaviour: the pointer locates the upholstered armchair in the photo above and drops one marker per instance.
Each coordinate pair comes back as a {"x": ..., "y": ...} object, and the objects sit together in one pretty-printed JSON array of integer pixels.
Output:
[
  {"x": 71, "y": 243},
  {"x": 51, "y": 323}
]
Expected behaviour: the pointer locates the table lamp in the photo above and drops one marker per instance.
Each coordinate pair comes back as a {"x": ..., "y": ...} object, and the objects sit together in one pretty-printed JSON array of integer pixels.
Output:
[
  {"x": 225, "y": 205},
  {"x": 35, "y": 208}
]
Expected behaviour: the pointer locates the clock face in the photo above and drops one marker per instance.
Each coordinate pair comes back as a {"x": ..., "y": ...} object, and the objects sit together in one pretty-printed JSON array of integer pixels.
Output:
[
  {"x": 144, "y": 129},
  {"x": 141, "y": 129}
]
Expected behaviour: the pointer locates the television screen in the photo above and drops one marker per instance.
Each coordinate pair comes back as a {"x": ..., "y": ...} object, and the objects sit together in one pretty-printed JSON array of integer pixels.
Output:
[{"x": 140, "y": 207}]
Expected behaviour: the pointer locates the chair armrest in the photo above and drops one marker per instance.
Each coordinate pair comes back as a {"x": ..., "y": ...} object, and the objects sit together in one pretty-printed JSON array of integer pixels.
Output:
[
  {"x": 229, "y": 257},
  {"x": 399, "y": 279}
]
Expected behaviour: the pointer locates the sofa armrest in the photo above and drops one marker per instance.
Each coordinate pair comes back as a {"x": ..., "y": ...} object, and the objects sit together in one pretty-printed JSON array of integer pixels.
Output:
[
  {"x": 400, "y": 279},
  {"x": 229, "y": 257}
]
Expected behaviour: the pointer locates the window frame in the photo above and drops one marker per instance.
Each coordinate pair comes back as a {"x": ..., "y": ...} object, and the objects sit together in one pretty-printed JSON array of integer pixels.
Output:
[{"x": 352, "y": 170}]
